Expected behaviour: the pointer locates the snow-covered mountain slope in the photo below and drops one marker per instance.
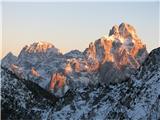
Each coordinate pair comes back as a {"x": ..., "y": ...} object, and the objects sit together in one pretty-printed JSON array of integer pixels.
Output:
[
  {"x": 40, "y": 61},
  {"x": 8, "y": 60},
  {"x": 136, "y": 98},
  {"x": 23, "y": 99},
  {"x": 37, "y": 52},
  {"x": 74, "y": 54},
  {"x": 151, "y": 64},
  {"x": 147, "y": 103}
]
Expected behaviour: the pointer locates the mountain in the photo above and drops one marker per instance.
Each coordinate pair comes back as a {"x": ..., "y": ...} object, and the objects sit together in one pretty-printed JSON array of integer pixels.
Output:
[
  {"x": 136, "y": 98},
  {"x": 74, "y": 54},
  {"x": 121, "y": 52},
  {"x": 8, "y": 60},
  {"x": 151, "y": 64},
  {"x": 121, "y": 41},
  {"x": 108, "y": 60},
  {"x": 114, "y": 78},
  {"x": 37, "y": 52}
]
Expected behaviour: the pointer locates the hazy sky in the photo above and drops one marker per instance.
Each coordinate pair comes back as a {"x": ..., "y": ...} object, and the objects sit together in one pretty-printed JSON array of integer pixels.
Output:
[{"x": 73, "y": 25}]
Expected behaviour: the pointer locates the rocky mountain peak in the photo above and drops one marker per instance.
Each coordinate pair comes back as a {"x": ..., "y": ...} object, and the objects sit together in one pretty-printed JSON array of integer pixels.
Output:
[
  {"x": 124, "y": 30},
  {"x": 9, "y": 56},
  {"x": 37, "y": 52},
  {"x": 121, "y": 38},
  {"x": 114, "y": 30},
  {"x": 127, "y": 30},
  {"x": 38, "y": 47},
  {"x": 8, "y": 60},
  {"x": 122, "y": 51}
]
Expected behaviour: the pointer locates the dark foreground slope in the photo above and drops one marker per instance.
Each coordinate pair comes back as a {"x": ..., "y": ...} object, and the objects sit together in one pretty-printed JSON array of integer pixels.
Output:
[{"x": 24, "y": 99}]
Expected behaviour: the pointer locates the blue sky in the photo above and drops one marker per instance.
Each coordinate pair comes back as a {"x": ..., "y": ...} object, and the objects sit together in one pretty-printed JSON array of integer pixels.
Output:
[{"x": 73, "y": 25}]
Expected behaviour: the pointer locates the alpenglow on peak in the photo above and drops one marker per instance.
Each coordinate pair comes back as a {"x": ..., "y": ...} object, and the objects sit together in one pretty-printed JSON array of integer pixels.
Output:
[
  {"x": 123, "y": 30},
  {"x": 39, "y": 47}
]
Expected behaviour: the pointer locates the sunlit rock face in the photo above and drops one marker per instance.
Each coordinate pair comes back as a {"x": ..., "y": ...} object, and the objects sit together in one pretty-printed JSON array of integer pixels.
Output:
[
  {"x": 58, "y": 84},
  {"x": 127, "y": 44},
  {"x": 73, "y": 75},
  {"x": 114, "y": 30},
  {"x": 121, "y": 53},
  {"x": 34, "y": 72},
  {"x": 97, "y": 53}
]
